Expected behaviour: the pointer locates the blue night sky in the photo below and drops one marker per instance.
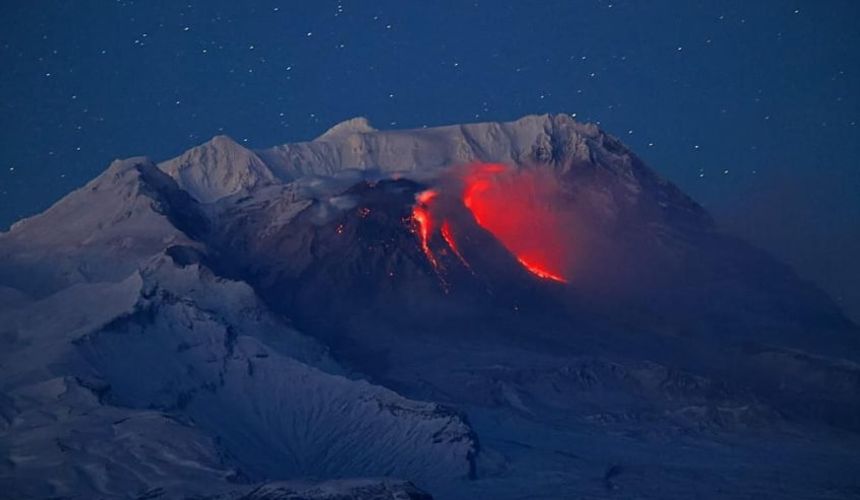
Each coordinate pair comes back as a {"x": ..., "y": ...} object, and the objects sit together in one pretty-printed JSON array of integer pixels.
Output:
[{"x": 751, "y": 107}]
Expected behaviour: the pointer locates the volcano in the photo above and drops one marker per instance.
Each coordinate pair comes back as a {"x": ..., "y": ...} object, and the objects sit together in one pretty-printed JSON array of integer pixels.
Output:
[{"x": 490, "y": 310}]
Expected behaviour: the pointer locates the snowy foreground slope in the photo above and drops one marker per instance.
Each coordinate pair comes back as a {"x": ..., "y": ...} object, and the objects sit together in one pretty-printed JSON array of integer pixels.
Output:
[{"x": 266, "y": 324}]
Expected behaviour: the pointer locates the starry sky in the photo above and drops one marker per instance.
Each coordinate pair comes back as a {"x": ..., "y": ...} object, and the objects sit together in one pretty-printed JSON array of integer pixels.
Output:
[{"x": 751, "y": 107}]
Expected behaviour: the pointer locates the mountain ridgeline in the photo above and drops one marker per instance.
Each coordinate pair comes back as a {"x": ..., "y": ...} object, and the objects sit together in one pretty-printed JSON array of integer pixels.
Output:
[{"x": 479, "y": 310}]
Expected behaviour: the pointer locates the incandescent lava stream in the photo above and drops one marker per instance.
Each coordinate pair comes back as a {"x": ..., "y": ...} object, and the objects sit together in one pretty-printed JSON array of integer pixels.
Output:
[{"x": 515, "y": 206}]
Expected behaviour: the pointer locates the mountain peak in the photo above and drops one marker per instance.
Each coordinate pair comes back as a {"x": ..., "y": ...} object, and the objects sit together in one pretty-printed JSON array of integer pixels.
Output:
[
  {"x": 357, "y": 125},
  {"x": 534, "y": 272},
  {"x": 218, "y": 168},
  {"x": 224, "y": 141},
  {"x": 354, "y": 144}
]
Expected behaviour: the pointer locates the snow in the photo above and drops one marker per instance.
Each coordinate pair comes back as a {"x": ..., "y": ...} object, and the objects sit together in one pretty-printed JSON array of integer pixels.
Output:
[
  {"x": 217, "y": 169},
  {"x": 199, "y": 328},
  {"x": 182, "y": 348}
]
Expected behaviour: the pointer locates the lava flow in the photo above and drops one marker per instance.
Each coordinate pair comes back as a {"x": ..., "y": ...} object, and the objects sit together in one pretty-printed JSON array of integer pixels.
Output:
[
  {"x": 540, "y": 272},
  {"x": 424, "y": 221},
  {"x": 424, "y": 214},
  {"x": 515, "y": 206},
  {"x": 448, "y": 236}
]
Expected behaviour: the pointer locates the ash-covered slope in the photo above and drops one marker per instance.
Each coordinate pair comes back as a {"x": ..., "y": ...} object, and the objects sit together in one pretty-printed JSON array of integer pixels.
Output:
[{"x": 234, "y": 322}]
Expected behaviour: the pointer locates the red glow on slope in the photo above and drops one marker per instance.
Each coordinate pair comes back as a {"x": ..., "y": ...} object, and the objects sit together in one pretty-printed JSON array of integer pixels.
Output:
[
  {"x": 448, "y": 236},
  {"x": 541, "y": 273},
  {"x": 515, "y": 206},
  {"x": 477, "y": 183},
  {"x": 424, "y": 221},
  {"x": 425, "y": 197},
  {"x": 520, "y": 208}
]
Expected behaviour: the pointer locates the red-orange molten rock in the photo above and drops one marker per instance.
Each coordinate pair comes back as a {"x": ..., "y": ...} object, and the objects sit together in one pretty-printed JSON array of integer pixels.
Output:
[
  {"x": 423, "y": 219},
  {"x": 517, "y": 208}
]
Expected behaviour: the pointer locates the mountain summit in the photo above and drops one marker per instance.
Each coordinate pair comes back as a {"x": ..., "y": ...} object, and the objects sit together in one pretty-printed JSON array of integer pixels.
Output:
[
  {"x": 218, "y": 168},
  {"x": 357, "y": 125},
  {"x": 488, "y": 310}
]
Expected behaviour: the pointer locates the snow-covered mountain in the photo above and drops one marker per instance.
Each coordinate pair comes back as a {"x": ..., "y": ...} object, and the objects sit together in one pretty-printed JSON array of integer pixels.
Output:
[{"x": 297, "y": 321}]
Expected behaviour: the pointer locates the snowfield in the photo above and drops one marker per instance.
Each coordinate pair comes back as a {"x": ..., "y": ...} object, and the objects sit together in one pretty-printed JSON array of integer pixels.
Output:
[{"x": 266, "y": 325}]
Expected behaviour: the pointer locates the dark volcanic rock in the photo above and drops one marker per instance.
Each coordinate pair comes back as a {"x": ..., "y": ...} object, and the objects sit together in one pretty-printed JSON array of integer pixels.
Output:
[{"x": 263, "y": 324}]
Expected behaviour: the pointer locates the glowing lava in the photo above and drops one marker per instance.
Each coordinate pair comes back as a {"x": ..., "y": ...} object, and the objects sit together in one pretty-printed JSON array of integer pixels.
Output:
[
  {"x": 425, "y": 226},
  {"x": 448, "y": 236},
  {"x": 516, "y": 207},
  {"x": 539, "y": 272},
  {"x": 424, "y": 221}
]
